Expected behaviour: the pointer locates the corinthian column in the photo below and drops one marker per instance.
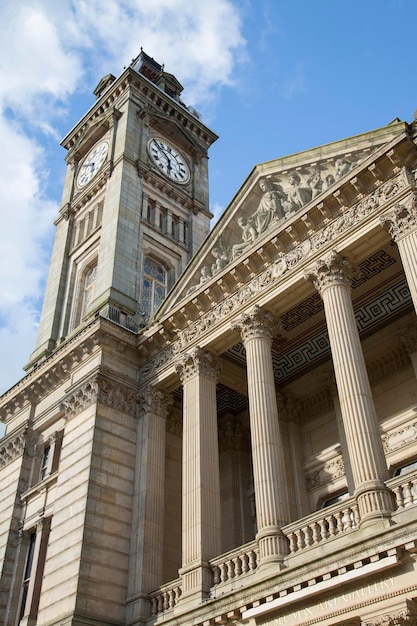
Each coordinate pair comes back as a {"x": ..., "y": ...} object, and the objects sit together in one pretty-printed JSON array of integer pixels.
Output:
[
  {"x": 267, "y": 451},
  {"x": 199, "y": 372},
  {"x": 401, "y": 222},
  {"x": 332, "y": 278},
  {"x": 146, "y": 558}
]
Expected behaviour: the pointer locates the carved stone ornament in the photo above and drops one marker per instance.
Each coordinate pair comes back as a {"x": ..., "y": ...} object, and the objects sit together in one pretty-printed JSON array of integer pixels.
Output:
[
  {"x": 408, "y": 338},
  {"x": 400, "y": 437},
  {"x": 401, "y": 219},
  {"x": 80, "y": 398},
  {"x": 257, "y": 324},
  {"x": 116, "y": 395},
  {"x": 174, "y": 424},
  {"x": 111, "y": 393},
  {"x": 404, "y": 617},
  {"x": 232, "y": 435},
  {"x": 198, "y": 362},
  {"x": 326, "y": 474},
  {"x": 155, "y": 401},
  {"x": 283, "y": 264},
  {"x": 332, "y": 270},
  {"x": 12, "y": 448}
]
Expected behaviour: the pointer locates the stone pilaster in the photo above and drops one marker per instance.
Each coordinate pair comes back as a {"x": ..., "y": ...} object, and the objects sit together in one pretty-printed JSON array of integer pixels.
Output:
[
  {"x": 146, "y": 560},
  {"x": 328, "y": 380},
  {"x": 401, "y": 223},
  {"x": 332, "y": 278},
  {"x": 270, "y": 485},
  {"x": 199, "y": 372}
]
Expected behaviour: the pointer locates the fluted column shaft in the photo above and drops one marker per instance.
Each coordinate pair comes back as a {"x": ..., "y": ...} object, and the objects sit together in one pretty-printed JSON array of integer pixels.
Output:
[
  {"x": 146, "y": 564},
  {"x": 272, "y": 511},
  {"x": 201, "y": 526},
  {"x": 401, "y": 222},
  {"x": 332, "y": 278}
]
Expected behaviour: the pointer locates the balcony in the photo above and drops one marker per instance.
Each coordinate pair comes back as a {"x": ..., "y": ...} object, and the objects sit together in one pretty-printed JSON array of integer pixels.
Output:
[{"x": 236, "y": 567}]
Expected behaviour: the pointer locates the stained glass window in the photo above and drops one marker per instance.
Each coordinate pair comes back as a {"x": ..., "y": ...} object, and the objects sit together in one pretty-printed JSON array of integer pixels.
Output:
[{"x": 154, "y": 286}]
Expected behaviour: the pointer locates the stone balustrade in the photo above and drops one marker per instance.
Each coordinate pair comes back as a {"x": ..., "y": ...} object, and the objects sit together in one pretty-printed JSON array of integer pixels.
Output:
[
  {"x": 322, "y": 525},
  {"x": 317, "y": 528},
  {"x": 166, "y": 597},
  {"x": 405, "y": 489},
  {"x": 235, "y": 563}
]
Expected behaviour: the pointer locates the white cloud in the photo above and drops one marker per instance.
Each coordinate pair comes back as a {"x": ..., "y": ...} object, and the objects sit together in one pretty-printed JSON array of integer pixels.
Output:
[{"x": 51, "y": 52}]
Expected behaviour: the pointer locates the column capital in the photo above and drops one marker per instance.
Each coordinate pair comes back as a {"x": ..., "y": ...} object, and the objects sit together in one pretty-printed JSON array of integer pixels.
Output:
[
  {"x": 198, "y": 362},
  {"x": 156, "y": 401},
  {"x": 401, "y": 219},
  {"x": 257, "y": 324},
  {"x": 332, "y": 270}
]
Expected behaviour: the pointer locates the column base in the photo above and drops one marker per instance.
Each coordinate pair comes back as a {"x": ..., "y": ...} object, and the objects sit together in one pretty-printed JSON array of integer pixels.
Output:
[
  {"x": 375, "y": 502},
  {"x": 138, "y": 610},
  {"x": 197, "y": 581},
  {"x": 273, "y": 545}
]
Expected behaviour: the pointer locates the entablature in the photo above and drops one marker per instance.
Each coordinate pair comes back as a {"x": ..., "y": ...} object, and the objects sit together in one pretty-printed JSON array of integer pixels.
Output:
[
  {"x": 267, "y": 270},
  {"x": 57, "y": 367}
]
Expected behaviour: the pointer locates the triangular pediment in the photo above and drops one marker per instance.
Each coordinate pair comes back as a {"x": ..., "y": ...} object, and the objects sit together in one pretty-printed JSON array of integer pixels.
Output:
[{"x": 275, "y": 196}]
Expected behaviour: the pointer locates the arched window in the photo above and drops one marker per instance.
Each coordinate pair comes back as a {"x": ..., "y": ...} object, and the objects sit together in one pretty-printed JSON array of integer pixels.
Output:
[{"x": 154, "y": 286}]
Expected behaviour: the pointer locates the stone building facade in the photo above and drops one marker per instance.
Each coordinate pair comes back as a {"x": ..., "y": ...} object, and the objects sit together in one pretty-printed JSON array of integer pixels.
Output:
[{"x": 217, "y": 427}]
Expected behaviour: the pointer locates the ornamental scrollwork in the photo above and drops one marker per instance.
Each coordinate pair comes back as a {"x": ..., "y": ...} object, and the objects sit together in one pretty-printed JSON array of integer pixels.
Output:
[
  {"x": 111, "y": 393},
  {"x": 255, "y": 325},
  {"x": 332, "y": 270},
  {"x": 198, "y": 362},
  {"x": 401, "y": 219},
  {"x": 155, "y": 401},
  {"x": 12, "y": 448},
  {"x": 327, "y": 473}
]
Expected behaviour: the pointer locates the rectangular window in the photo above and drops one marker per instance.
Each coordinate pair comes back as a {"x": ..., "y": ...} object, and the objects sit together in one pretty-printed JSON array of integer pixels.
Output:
[
  {"x": 45, "y": 462},
  {"x": 27, "y": 574}
]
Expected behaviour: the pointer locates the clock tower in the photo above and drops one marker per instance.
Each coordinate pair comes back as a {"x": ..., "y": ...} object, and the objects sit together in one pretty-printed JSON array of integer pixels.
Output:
[{"x": 134, "y": 207}]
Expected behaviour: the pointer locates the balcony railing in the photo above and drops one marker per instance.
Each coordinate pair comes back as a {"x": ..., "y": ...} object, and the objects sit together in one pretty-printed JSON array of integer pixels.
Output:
[
  {"x": 322, "y": 525},
  {"x": 315, "y": 529}
]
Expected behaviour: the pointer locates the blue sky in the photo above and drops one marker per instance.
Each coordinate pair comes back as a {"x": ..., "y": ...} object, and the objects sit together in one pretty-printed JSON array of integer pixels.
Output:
[{"x": 271, "y": 77}]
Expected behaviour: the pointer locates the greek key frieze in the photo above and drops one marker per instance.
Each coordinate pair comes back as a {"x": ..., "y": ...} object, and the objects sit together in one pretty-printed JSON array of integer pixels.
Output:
[
  {"x": 299, "y": 254},
  {"x": 275, "y": 271}
]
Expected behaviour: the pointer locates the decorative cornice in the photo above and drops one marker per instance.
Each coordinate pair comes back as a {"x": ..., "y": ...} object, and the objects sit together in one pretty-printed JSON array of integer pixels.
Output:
[
  {"x": 56, "y": 368},
  {"x": 276, "y": 270},
  {"x": 198, "y": 362}
]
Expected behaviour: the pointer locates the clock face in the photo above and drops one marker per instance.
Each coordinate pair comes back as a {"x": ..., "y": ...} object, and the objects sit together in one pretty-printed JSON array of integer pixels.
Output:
[
  {"x": 169, "y": 160},
  {"x": 92, "y": 163}
]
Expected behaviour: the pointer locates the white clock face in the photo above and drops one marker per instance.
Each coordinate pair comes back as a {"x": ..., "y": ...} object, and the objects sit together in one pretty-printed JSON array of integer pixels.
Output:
[
  {"x": 92, "y": 163},
  {"x": 169, "y": 160}
]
